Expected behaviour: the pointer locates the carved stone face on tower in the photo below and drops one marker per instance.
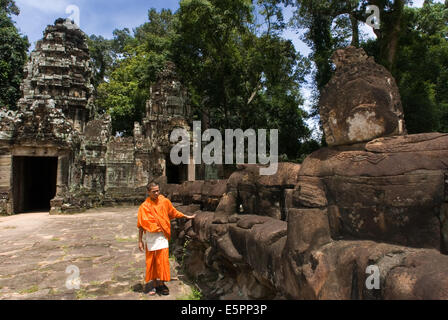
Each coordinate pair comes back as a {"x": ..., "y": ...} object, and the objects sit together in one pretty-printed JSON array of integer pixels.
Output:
[{"x": 361, "y": 102}]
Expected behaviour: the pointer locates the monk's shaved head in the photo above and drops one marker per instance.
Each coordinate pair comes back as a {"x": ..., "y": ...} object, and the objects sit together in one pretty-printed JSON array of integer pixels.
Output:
[
  {"x": 152, "y": 184},
  {"x": 153, "y": 190}
]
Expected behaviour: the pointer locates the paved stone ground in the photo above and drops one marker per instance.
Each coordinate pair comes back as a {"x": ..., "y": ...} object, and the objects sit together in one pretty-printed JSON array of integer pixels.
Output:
[{"x": 36, "y": 249}]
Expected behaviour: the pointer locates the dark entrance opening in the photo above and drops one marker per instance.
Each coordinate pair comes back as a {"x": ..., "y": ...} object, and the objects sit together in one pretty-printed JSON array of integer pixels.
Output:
[
  {"x": 176, "y": 174},
  {"x": 34, "y": 183}
]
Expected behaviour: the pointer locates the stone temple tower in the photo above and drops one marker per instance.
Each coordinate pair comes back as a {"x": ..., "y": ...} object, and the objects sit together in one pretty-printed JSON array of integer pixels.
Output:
[
  {"x": 166, "y": 110},
  {"x": 59, "y": 73},
  {"x": 40, "y": 141}
]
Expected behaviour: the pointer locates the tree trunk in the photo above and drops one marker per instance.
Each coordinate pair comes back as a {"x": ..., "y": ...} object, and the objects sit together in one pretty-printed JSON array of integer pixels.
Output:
[
  {"x": 355, "y": 31},
  {"x": 395, "y": 33},
  {"x": 389, "y": 34}
]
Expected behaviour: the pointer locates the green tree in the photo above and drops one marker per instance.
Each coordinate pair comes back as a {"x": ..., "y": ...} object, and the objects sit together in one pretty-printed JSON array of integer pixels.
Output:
[
  {"x": 132, "y": 63},
  {"x": 102, "y": 58},
  {"x": 422, "y": 67},
  {"x": 9, "y": 7},
  {"x": 321, "y": 14},
  {"x": 411, "y": 43},
  {"x": 13, "y": 56},
  {"x": 156, "y": 37},
  {"x": 123, "y": 96},
  {"x": 105, "y": 54},
  {"x": 241, "y": 75}
]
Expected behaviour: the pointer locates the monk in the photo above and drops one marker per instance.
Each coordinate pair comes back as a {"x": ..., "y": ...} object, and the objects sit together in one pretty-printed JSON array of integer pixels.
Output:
[{"x": 154, "y": 226}]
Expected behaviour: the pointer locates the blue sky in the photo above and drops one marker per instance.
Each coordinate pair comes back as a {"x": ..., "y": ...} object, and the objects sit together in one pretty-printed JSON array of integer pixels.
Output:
[
  {"x": 98, "y": 17},
  {"x": 101, "y": 17}
]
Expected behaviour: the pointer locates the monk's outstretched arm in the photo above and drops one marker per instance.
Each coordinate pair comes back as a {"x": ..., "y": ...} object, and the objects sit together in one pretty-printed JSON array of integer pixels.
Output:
[{"x": 173, "y": 213}]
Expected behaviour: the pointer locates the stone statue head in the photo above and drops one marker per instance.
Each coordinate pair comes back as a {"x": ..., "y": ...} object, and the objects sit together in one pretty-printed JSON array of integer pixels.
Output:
[{"x": 361, "y": 102}]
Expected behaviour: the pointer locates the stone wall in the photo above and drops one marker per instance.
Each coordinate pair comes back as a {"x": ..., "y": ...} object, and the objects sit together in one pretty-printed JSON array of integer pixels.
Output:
[
  {"x": 5, "y": 181},
  {"x": 234, "y": 255}
]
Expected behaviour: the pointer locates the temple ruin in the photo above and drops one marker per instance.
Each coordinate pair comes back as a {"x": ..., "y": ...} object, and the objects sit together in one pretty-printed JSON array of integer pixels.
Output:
[{"x": 57, "y": 154}]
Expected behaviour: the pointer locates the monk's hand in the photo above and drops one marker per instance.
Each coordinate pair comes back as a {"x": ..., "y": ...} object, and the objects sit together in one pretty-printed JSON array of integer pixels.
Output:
[
  {"x": 141, "y": 246},
  {"x": 190, "y": 217}
]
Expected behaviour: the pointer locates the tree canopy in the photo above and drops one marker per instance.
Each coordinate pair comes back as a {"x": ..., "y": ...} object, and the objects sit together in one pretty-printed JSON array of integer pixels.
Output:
[
  {"x": 127, "y": 65},
  {"x": 13, "y": 55},
  {"x": 239, "y": 74},
  {"x": 411, "y": 43},
  {"x": 422, "y": 67}
]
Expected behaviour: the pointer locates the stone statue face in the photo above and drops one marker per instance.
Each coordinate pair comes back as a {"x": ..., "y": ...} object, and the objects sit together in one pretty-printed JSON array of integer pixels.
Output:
[
  {"x": 364, "y": 124},
  {"x": 361, "y": 102}
]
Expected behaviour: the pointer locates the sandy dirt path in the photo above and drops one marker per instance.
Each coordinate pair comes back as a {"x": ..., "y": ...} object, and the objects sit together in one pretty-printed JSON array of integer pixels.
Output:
[{"x": 40, "y": 254}]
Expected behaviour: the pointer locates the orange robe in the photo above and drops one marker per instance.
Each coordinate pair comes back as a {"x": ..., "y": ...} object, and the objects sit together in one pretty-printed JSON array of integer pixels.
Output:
[{"x": 155, "y": 217}]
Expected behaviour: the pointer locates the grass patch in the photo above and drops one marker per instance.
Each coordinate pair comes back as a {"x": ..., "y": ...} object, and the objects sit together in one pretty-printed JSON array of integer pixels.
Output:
[
  {"x": 83, "y": 294},
  {"x": 55, "y": 239},
  {"x": 46, "y": 269},
  {"x": 194, "y": 295},
  {"x": 124, "y": 239},
  {"x": 53, "y": 291},
  {"x": 9, "y": 227},
  {"x": 33, "y": 289}
]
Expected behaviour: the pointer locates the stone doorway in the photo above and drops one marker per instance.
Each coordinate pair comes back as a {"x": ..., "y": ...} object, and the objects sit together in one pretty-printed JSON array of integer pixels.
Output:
[
  {"x": 34, "y": 183},
  {"x": 176, "y": 174}
]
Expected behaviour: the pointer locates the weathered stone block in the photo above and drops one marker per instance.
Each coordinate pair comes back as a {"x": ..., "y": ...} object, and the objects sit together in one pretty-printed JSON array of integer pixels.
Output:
[{"x": 307, "y": 229}]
